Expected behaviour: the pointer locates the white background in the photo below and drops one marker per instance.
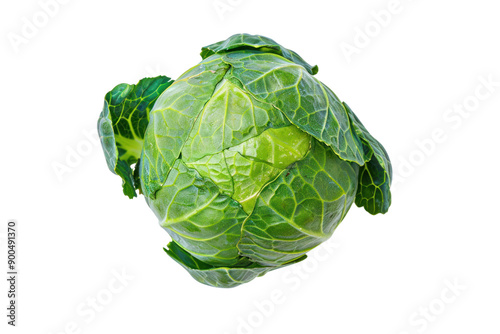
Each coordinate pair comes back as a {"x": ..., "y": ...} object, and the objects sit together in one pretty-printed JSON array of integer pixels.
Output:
[{"x": 76, "y": 230}]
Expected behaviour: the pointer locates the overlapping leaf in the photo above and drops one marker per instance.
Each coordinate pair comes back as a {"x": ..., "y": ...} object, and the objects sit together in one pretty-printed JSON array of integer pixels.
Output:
[
  {"x": 305, "y": 101},
  {"x": 259, "y": 160},
  {"x": 229, "y": 118},
  {"x": 301, "y": 208}
]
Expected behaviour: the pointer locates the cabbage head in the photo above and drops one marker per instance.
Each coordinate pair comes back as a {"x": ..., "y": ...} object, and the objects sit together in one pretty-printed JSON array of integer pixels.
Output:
[{"x": 247, "y": 159}]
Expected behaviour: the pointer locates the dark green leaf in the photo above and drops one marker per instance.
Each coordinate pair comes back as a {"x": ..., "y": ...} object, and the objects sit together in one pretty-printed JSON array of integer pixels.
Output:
[
  {"x": 256, "y": 43},
  {"x": 122, "y": 125},
  {"x": 374, "y": 192},
  {"x": 306, "y": 102},
  {"x": 221, "y": 277}
]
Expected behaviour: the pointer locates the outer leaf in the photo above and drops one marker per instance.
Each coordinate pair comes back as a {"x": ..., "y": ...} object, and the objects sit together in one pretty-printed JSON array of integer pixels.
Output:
[
  {"x": 204, "y": 222},
  {"x": 221, "y": 277},
  {"x": 172, "y": 120},
  {"x": 259, "y": 44},
  {"x": 374, "y": 192},
  {"x": 305, "y": 101},
  {"x": 122, "y": 125},
  {"x": 301, "y": 208}
]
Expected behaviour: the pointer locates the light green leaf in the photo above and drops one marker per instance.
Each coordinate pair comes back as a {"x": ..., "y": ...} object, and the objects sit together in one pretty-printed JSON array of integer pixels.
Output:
[
  {"x": 259, "y": 160},
  {"x": 230, "y": 117},
  {"x": 199, "y": 218},
  {"x": 242, "y": 171},
  {"x": 214, "y": 167},
  {"x": 172, "y": 120},
  {"x": 249, "y": 177}
]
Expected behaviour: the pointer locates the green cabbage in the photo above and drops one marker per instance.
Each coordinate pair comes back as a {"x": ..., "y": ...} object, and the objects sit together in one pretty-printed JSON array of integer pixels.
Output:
[{"x": 247, "y": 160}]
